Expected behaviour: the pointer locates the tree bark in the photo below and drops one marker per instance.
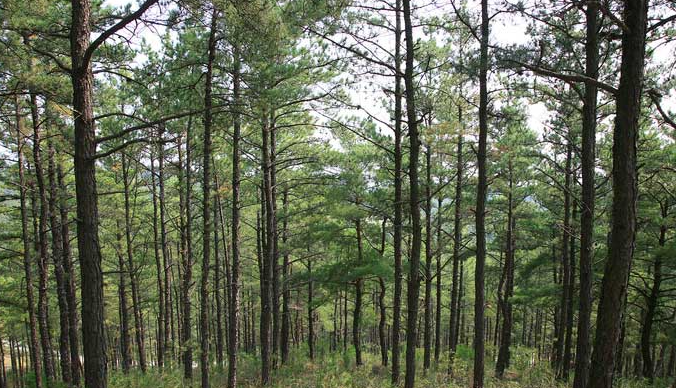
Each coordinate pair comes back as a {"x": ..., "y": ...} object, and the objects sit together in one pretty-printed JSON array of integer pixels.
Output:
[
  {"x": 457, "y": 240},
  {"x": 310, "y": 312},
  {"x": 286, "y": 292},
  {"x": 28, "y": 273},
  {"x": 588, "y": 157},
  {"x": 651, "y": 301},
  {"x": 275, "y": 241},
  {"x": 42, "y": 243},
  {"x": 504, "y": 303},
  {"x": 206, "y": 204},
  {"x": 414, "y": 199},
  {"x": 133, "y": 276},
  {"x": 427, "y": 325},
  {"x": 69, "y": 270},
  {"x": 438, "y": 267},
  {"x": 233, "y": 329},
  {"x": 358, "y": 296},
  {"x": 166, "y": 257},
  {"x": 217, "y": 278},
  {"x": 158, "y": 267},
  {"x": 185, "y": 183},
  {"x": 565, "y": 263},
  {"x": 125, "y": 345},
  {"x": 268, "y": 255},
  {"x": 568, "y": 341},
  {"x": 480, "y": 210},
  {"x": 623, "y": 228},
  {"x": 398, "y": 198},
  {"x": 59, "y": 274}
]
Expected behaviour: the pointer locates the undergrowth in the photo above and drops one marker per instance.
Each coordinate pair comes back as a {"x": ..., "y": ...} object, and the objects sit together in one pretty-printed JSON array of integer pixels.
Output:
[{"x": 338, "y": 370}]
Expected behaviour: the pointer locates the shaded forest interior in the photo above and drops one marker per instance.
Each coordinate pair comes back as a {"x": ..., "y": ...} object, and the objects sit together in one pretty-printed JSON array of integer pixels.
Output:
[{"x": 338, "y": 193}]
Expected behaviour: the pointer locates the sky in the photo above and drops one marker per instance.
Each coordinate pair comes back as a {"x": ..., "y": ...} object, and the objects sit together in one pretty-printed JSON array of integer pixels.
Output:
[{"x": 504, "y": 31}]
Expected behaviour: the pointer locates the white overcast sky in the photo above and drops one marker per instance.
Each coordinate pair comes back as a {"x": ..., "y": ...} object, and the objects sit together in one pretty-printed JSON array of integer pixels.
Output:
[{"x": 504, "y": 31}]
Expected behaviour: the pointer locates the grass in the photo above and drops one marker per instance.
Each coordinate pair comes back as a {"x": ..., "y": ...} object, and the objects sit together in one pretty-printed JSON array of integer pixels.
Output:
[{"x": 338, "y": 370}]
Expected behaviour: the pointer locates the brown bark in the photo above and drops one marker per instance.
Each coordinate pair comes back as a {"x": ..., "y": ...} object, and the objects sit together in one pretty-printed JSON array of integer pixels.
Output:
[
  {"x": 217, "y": 279},
  {"x": 286, "y": 292},
  {"x": 358, "y": 297},
  {"x": 166, "y": 257},
  {"x": 651, "y": 302},
  {"x": 504, "y": 304},
  {"x": 275, "y": 241},
  {"x": 206, "y": 203},
  {"x": 125, "y": 345},
  {"x": 427, "y": 322},
  {"x": 133, "y": 276},
  {"x": 186, "y": 251},
  {"x": 382, "y": 323},
  {"x": 159, "y": 348},
  {"x": 414, "y": 199},
  {"x": 565, "y": 264},
  {"x": 267, "y": 258},
  {"x": 398, "y": 198},
  {"x": 234, "y": 306},
  {"x": 438, "y": 267},
  {"x": 588, "y": 157},
  {"x": 59, "y": 274},
  {"x": 310, "y": 312},
  {"x": 41, "y": 243},
  {"x": 480, "y": 209},
  {"x": 457, "y": 240},
  {"x": 28, "y": 273},
  {"x": 81, "y": 52},
  {"x": 623, "y": 228},
  {"x": 69, "y": 272}
]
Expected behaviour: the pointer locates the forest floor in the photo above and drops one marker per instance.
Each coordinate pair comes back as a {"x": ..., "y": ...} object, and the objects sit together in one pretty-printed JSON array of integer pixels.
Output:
[{"x": 338, "y": 370}]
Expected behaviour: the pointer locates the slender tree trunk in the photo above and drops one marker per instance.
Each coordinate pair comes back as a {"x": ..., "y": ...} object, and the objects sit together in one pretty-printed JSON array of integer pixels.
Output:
[
  {"x": 158, "y": 267},
  {"x": 3, "y": 370},
  {"x": 505, "y": 304},
  {"x": 206, "y": 203},
  {"x": 42, "y": 243},
  {"x": 382, "y": 323},
  {"x": 217, "y": 280},
  {"x": 437, "y": 318},
  {"x": 623, "y": 228},
  {"x": 416, "y": 242},
  {"x": 233, "y": 329},
  {"x": 28, "y": 272},
  {"x": 345, "y": 322},
  {"x": 59, "y": 274},
  {"x": 267, "y": 259},
  {"x": 565, "y": 262},
  {"x": 226, "y": 264},
  {"x": 286, "y": 292},
  {"x": 480, "y": 209},
  {"x": 457, "y": 240},
  {"x": 651, "y": 300},
  {"x": 69, "y": 271},
  {"x": 310, "y": 312},
  {"x": 358, "y": 296},
  {"x": 427, "y": 325},
  {"x": 13, "y": 360},
  {"x": 133, "y": 276},
  {"x": 398, "y": 198},
  {"x": 568, "y": 341},
  {"x": 275, "y": 241},
  {"x": 588, "y": 157},
  {"x": 166, "y": 257},
  {"x": 125, "y": 345},
  {"x": 186, "y": 242}
]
